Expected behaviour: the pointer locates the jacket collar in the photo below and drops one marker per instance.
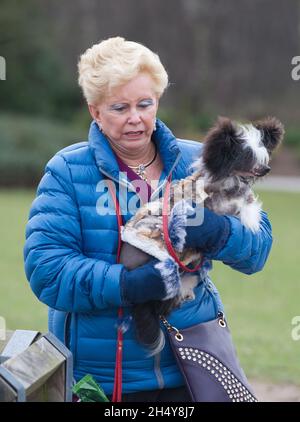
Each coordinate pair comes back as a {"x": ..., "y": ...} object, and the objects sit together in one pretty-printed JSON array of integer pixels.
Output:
[{"x": 105, "y": 157}]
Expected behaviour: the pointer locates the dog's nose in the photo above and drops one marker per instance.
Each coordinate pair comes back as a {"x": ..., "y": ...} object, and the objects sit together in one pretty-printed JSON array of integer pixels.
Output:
[
  {"x": 262, "y": 171},
  {"x": 266, "y": 170}
]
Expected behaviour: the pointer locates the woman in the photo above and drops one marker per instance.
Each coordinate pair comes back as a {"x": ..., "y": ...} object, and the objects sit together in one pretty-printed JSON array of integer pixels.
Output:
[{"x": 71, "y": 246}]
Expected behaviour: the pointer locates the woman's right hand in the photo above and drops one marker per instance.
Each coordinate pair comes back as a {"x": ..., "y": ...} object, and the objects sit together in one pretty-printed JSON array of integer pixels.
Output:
[{"x": 155, "y": 280}]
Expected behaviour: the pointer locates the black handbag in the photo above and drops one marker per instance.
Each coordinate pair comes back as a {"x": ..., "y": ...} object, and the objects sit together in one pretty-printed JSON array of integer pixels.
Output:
[{"x": 208, "y": 362}]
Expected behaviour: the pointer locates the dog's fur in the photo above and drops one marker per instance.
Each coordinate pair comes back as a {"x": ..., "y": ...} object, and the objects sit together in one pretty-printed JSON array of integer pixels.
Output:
[{"x": 234, "y": 156}]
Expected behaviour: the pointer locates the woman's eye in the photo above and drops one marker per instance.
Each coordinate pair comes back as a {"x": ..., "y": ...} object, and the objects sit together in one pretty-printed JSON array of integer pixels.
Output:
[
  {"x": 146, "y": 103},
  {"x": 118, "y": 108},
  {"x": 123, "y": 107}
]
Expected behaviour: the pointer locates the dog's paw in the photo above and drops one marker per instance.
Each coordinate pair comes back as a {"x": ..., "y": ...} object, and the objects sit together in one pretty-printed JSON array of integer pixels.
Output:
[
  {"x": 177, "y": 224},
  {"x": 188, "y": 283},
  {"x": 187, "y": 292},
  {"x": 250, "y": 216},
  {"x": 187, "y": 296}
]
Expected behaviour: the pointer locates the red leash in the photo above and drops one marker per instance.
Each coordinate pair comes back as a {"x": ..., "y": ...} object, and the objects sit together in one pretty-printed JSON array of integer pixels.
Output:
[
  {"x": 167, "y": 240},
  {"x": 117, "y": 393}
]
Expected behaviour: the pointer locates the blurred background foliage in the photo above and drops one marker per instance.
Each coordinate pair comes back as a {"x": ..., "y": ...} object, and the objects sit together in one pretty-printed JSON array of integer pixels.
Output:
[{"x": 233, "y": 61}]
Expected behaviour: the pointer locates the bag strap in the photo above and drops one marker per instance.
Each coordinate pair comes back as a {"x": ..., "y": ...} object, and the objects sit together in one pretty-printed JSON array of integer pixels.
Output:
[
  {"x": 167, "y": 240},
  {"x": 117, "y": 391}
]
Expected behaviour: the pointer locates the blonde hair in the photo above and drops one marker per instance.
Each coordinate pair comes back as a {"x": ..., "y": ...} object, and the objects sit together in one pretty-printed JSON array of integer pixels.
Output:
[{"x": 114, "y": 62}]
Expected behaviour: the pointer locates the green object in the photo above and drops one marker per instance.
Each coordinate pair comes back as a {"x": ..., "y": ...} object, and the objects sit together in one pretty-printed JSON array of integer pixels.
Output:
[{"x": 88, "y": 390}]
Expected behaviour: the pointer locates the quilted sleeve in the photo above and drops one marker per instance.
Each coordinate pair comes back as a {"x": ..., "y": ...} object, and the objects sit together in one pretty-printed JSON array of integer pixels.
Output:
[
  {"x": 244, "y": 250},
  {"x": 60, "y": 275}
]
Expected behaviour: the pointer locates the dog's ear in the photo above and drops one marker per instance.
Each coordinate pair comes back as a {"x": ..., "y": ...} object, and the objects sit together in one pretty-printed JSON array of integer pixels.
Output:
[
  {"x": 221, "y": 147},
  {"x": 272, "y": 130}
]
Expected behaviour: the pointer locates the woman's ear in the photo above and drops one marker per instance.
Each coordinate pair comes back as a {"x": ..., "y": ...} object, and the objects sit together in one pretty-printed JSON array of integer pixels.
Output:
[{"x": 94, "y": 111}]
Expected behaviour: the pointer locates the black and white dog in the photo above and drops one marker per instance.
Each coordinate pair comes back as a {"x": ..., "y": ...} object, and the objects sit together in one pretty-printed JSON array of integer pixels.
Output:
[{"x": 233, "y": 157}]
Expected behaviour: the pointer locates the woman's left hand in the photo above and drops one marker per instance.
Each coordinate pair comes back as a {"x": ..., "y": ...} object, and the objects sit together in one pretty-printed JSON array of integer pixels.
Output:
[{"x": 210, "y": 235}]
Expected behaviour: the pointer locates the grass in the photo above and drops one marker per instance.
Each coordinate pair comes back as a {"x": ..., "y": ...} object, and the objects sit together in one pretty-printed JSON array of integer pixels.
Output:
[
  {"x": 18, "y": 305},
  {"x": 259, "y": 308}
]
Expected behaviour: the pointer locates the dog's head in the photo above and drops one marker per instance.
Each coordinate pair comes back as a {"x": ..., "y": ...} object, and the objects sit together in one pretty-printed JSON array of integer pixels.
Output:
[{"x": 232, "y": 149}]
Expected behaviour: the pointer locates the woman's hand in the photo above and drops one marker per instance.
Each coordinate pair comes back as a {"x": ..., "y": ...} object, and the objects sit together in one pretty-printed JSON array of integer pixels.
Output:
[
  {"x": 155, "y": 280},
  {"x": 226, "y": 239},
  {"x": 210, "y": 235}
]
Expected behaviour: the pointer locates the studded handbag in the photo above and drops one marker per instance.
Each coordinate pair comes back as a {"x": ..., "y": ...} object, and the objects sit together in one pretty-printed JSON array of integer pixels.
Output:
[{"x": 208, "y": 362}]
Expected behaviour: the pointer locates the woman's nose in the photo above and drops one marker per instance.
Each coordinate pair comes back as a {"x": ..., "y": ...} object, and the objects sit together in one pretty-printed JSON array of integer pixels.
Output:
[{"x": 134, "y": 117}]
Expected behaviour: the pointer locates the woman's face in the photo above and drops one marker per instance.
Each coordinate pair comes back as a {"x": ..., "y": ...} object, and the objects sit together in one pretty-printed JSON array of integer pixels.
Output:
[{"x": 127, "y": 116}]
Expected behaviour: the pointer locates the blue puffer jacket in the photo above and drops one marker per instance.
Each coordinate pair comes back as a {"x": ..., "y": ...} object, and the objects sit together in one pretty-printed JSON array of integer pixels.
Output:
[{"x": 70, "y": 261}]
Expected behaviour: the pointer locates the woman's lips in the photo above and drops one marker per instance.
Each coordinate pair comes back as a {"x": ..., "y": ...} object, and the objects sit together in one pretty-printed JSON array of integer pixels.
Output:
[{"x": 134, "y": 134}]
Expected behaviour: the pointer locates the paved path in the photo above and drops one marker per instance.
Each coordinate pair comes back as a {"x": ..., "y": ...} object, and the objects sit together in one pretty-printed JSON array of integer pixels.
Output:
[
  {"x": 269, "y": 392},
  {"x": 279, "y": 183}
]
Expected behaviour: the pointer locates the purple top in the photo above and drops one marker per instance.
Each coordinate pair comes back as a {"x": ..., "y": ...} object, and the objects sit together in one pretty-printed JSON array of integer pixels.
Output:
[{"x": 143, "y": 189}]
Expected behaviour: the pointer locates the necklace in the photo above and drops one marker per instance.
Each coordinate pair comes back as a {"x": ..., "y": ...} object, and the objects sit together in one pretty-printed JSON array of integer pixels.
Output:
[{"x": 141, "y": 168}]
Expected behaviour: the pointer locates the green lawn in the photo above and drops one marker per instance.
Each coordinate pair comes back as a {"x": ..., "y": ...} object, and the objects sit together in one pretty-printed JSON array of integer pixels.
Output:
[
  {"x": 259, "y": 308},
  {"x": 18, "y": 305}
]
